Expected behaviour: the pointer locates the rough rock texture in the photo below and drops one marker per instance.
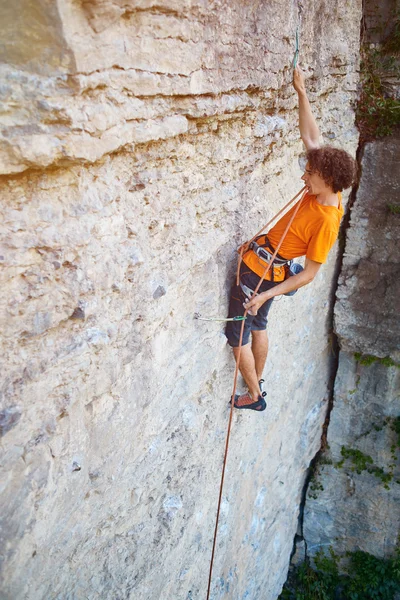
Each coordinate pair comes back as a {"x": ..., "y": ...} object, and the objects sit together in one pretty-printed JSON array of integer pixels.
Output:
[
  {"x": 129, "y": 72},
  {"x": 145, "y": 140},
  {"x": 379, "y": 19},
  {"x": 378, "y": 24},
  {"x": 367, "y": 310},
  {"x": 355, "y": 504},
  {"x": 358, "y": 508}
]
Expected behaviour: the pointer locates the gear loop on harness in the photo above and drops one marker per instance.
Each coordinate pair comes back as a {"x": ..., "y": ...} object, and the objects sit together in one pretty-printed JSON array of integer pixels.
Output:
[{"x": 261, "y": 250}]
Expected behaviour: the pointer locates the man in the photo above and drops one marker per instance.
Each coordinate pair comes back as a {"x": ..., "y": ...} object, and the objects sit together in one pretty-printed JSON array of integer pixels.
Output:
[{"x": 312, "y": 234}]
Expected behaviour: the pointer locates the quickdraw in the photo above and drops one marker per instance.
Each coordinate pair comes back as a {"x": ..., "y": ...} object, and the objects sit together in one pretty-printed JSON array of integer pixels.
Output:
[
  {"x": 296, "y": 52},
  {"x": 200, "y": 318}
]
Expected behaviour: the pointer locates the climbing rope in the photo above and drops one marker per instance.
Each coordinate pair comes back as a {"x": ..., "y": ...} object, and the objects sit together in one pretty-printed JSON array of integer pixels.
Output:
[
  {"x": 242, "y": 251},
  {"x": 303, "y": 191}
]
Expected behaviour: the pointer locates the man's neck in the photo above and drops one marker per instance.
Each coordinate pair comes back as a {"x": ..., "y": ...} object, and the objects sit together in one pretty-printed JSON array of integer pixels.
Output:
[{"x": 328, "y": 199}]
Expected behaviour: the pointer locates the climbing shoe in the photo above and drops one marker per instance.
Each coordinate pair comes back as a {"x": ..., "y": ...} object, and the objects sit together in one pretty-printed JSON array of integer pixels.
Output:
[{"x": 246, "y": 401}]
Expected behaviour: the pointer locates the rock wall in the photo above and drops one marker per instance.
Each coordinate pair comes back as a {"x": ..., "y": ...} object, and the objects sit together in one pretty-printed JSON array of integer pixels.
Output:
[
  {"x": 354, "y": 501},
  {"x": 141, "y": 142},
  {"x": 379, "y": 19}
]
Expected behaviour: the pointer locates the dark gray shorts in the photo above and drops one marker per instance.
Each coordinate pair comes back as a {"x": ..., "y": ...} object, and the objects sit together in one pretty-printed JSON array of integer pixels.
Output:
[{"x": 236, "y": 308}]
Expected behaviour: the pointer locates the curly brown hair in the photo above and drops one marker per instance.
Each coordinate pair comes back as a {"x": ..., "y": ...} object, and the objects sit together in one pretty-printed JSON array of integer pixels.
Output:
[{"x": 336, "y": 167}]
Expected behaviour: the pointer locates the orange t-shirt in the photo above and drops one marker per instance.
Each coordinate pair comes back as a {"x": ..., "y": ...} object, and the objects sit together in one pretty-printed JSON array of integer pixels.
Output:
[{"x": 312, "y": 233}]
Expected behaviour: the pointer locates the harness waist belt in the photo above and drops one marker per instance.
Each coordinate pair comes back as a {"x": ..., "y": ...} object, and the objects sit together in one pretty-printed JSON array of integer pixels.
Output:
[{"x": 266, "y": 256}]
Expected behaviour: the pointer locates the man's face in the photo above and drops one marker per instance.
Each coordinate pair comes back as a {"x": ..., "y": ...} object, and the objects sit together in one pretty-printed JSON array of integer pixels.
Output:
[{"x": 313, "y": 181}]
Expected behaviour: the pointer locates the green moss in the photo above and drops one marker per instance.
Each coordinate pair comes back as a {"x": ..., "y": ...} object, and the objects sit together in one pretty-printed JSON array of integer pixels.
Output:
[
  {"x": 363, "y": 462},
  {"x": 384, "y": 477},
  {"x": 388, "y": 362},
  {"x": 315, "y": 486},
  {"x": 395, "y": 425},
  {"x": 360, "y": 460},
  {"x": 367, "y": 360},
  {"x": 326, "y": 461},
  {"x": 364, "y": 577},
  {"x": 394, "y": 208}
]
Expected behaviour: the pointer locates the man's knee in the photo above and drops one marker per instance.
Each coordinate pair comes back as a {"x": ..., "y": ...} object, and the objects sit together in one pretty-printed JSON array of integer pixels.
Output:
[{"x": 259, "y": 333}]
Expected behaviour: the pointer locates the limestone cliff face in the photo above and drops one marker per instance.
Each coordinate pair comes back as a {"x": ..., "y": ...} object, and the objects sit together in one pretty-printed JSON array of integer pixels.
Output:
[
  {"x": 84, "y": 79},
  {"x": 355, "y": 503},
  {"x": 140, "y": 143}
]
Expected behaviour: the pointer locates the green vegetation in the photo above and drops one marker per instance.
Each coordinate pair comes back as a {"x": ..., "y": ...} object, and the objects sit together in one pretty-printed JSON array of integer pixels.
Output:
[
  {"x": 394, "y": 209},
  {"x": 395, "y": 425},
  {"x": 353, "y": 460},
  {"x": 363, "y": 462},
  {"x": 367, "y": 360},
  {"x": 314, "y": 485},
  {"x": 314, "y": 488},
  {"x": 360, "y": 577},
  {"x": 360, "y": 460},
  {"x": 377, "y": 112}
]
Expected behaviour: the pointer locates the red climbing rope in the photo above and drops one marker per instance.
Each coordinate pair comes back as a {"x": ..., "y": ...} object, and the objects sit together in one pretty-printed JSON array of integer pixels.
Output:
[{"x": 303, "y": 191}]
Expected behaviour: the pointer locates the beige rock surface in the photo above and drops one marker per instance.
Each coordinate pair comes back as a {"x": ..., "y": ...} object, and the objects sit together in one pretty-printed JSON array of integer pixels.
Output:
[
  {"x": 126, "y": 73},
  {"x": 164, "y": 134}
]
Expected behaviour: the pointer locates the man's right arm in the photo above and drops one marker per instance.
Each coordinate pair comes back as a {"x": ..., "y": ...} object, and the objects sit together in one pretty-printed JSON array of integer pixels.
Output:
[{"x": 309, "y": 131}]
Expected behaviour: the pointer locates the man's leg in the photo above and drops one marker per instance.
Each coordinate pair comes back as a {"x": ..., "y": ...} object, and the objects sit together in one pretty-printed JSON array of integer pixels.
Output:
[
  {"x": 247, "y": 368},
  {"x": 251, "y": 364},
  {"x": 259, "y": 348}
]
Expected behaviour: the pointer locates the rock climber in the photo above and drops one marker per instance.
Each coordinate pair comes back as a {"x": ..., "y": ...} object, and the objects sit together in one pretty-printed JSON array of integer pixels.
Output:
[{"x": 312, "y": 234}]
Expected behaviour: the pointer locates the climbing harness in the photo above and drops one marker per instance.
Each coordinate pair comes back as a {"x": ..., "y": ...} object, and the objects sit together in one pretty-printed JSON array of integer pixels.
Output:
[
  {"x": 246, "y": 246},
  {"x": 302, "y": 193},
  {"x": 272, "y": 258},
  {"x": 294, "y": 269},
  {"x": 263, "y": 254}
]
